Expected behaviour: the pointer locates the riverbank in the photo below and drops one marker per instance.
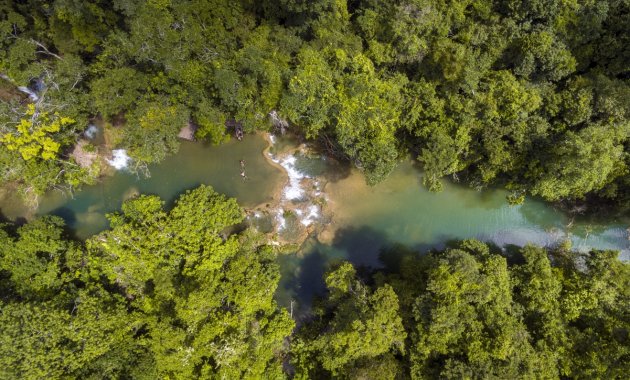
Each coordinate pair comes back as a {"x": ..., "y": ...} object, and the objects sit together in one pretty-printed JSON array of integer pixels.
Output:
[
  {"x": 292, "y": 193},
  {"x": 196, "y": 163}
]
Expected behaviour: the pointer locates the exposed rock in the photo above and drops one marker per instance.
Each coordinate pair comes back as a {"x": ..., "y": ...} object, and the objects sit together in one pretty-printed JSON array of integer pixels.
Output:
[
  {"x": 237, "y": 128},
  {"x": 279, "y": 123},
  {"x": 188, "y": 132},
  {"x": 82, "y": 156}
]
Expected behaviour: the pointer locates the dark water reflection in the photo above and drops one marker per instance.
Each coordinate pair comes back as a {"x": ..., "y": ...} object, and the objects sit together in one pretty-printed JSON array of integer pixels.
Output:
[
  {"x": 195, "y": 164},
  {"x": 369, "y": 224}
]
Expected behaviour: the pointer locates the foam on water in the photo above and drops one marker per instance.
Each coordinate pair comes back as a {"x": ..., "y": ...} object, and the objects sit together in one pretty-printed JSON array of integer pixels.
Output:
[
  {"x": 312, "y": 216},
  {"x": 31, "y": 94},
  {"x": 294, "y": 190},
  {"x": 91, "y": 131},
  {"x": 294, "y": 194},
  {"x": 282, "y": 222},
  {"x": 120, "y": 159}
]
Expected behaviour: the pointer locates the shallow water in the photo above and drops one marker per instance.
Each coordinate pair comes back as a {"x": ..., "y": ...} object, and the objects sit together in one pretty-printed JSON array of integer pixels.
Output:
[
  {"x": 365, "y": 220},
  {"x": 194, "y": 164}
]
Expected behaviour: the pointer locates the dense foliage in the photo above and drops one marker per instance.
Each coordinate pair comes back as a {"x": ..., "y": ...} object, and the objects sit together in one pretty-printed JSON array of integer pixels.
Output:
[
  {"x": 159, "y": 295},
  {"x": 531, "y": 95},
  {"x": 184, "y": 293},
  {"x": 467, "y": 313}
]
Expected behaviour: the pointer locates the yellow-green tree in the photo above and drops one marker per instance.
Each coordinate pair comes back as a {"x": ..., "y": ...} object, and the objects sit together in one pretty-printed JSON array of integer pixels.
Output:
[{"x": 37, "y": 134}]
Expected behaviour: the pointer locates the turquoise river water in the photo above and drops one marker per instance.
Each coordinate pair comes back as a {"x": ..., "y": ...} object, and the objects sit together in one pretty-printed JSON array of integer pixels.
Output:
[{"x": 364, "y": 220}]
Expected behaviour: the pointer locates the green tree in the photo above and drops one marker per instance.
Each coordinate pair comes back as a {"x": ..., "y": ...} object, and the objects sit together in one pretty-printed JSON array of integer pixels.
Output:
[
  {"x": 595, "y": 302},
  {"x": 207, "y": 299},
  {"x": 152, "y": 131},
  {"x": 117, "y": 90},
  {"x": 466, "y": 324},
  {"x": 364, "y": 327},
  {"x": 162, "y": 294},
  {"x": 35, "y": 257},
  {"x": 539, "y": 291},
  {"x": 583, "y": 162}
]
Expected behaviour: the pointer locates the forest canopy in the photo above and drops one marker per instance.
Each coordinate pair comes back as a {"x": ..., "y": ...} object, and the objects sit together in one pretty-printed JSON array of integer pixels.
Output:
[
  {"x": 532, "y": 96},
  {"x": 188, "y": 292}
]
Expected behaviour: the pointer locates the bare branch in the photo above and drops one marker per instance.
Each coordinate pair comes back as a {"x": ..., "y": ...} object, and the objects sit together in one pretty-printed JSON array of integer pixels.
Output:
[{"x": 46, "y": 51}]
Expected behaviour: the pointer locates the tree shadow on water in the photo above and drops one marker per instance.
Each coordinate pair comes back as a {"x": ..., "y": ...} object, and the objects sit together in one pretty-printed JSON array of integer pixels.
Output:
[
  {"x": 4, "y": 218},
  {"x": 66, "y": 214},
  {"x": 336, "y": 170},
  {"x": 9, "y": 225},
  {"x": 541, "y": 215},
  {"x": 361, "y": 245},
  {"x": 70, "y": 219},
  {"x": 311, "y": 278},
  {"x": 305, "y": 278},
  {"x": 394, "y": 256}
]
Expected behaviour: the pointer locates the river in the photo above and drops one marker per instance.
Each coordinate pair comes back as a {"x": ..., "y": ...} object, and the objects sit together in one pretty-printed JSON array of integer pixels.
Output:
[
  {"x": 194, "y": 164},
  {"x": 363, "y": 221},
  {"x": 368, "y": 220}
]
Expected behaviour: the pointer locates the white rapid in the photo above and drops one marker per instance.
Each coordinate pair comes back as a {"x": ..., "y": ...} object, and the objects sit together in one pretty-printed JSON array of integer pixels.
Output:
[
  {"x": 297, "y": 197},
  {"x": 120, "y": 159},
  {"x": 91, "y": 131}
]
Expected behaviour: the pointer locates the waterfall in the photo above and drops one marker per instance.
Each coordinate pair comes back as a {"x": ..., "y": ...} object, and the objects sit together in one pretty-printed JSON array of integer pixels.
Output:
[{"x": 120, "y": 159}]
